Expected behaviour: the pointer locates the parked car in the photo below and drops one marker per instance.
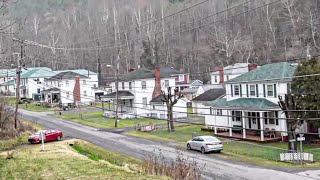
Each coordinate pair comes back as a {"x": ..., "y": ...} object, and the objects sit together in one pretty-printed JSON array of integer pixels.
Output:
[
  {"x": 49, "y": 135},
  {"x": 205, "y": 144}
]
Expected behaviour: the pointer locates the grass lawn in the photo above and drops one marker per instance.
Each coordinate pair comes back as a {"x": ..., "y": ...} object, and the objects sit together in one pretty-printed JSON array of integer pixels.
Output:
[
  {"x": 265, "y": 154},
  {"x": 61, "y": 161},
  {"x": 96, "y": 119},
  {"x": 34, "y": 107}
]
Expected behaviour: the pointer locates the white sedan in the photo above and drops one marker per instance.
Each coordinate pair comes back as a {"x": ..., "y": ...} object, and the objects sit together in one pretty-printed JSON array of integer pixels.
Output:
[{"x": 205, "y": 144}]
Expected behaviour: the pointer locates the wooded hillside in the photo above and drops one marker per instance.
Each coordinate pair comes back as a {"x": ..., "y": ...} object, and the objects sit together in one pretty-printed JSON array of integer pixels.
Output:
[{"x": 193, "y": 35}]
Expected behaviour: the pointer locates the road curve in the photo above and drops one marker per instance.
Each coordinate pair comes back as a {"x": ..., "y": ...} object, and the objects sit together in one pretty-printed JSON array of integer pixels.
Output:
[{"x": 213, "y": 168}]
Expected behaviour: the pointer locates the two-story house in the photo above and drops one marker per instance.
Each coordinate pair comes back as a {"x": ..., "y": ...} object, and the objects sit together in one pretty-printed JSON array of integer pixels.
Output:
[
  {"x": 251, "y": 104},
  {"x": 230, "y": 72},
  {"x": 68, "y": 87},
  {"x": 31, "y": 82},
  {"x": 136, "y": 91},
  {"x": 7, "y": 82}
]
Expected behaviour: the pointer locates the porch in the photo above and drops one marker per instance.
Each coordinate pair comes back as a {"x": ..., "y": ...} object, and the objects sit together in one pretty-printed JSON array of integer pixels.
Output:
[
  {"x": 51, "y": 96},
  {"x": 250, "y": 136},
  {"x": 125, "y": 102}
]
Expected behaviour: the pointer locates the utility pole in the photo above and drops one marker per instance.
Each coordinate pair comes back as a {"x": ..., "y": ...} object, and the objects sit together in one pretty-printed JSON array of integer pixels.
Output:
[
  {"x": 18, "y": 85},
  {"x": 117, "y": 95}
]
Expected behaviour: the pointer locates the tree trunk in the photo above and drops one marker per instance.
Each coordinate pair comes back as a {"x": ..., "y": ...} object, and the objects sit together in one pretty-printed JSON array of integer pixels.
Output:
[{"x": 171, "y": 119}]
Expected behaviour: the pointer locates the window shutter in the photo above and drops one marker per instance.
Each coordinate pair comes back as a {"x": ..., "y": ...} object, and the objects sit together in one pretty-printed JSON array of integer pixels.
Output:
[
  {"x": 231, "y": 91},
  {"x": 276, "y": 116},
  {"x": 240, "y": 90},
  {"x": 257, "y": 90},
  {"x": 210, "y": 110},
  {"x": 265, "y": 118},
  {"x": 275, "y": 90},
  {"x": 247, "y": 90},
  {"x": 233, "y": 118},
  {"x": 264, "y": 90}
]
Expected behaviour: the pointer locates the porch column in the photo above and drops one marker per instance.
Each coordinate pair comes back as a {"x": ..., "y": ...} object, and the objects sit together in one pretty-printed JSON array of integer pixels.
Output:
[
  {"x": 215, "y": 130},
  {"x": 243, "y": 126},
  {"x": 261, "y": 126},
  {"x": 229, "y": 124}
]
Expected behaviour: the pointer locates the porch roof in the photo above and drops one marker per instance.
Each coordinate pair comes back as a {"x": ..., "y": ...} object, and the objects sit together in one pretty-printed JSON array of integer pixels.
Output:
[
  {"x": 121, "y": 95},
  {"x": 244, "y": 104},
  {"x": 51, "y": 90}
]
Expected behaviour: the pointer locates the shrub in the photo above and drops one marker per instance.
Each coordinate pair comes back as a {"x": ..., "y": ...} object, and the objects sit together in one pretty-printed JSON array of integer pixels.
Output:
[{"x": 179, "y": 169}]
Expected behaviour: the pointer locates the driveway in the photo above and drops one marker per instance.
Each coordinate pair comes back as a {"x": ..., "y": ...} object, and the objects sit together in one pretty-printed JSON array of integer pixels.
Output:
[{"x": 213, "y": 167}]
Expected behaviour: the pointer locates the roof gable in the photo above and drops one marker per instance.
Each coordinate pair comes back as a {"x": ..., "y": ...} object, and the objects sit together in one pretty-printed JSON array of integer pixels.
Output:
[
  {"x": 210, "y": 95},
  {"x": 66, "y": 75},
  {"x": 282, "y": 71}
]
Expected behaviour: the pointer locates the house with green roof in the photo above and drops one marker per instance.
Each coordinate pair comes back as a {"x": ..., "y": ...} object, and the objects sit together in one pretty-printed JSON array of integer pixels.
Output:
[{"x": 250, "y": 106}]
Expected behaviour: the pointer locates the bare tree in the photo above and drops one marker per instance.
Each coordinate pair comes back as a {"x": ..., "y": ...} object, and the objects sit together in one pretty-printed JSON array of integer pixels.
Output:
[{"x": 170, "y": 100}]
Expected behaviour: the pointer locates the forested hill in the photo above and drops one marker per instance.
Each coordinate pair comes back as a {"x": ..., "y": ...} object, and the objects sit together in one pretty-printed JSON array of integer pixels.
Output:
[{"x": 195, "y": 35}]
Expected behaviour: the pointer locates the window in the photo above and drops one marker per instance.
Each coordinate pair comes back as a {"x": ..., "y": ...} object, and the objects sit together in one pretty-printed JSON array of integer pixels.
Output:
[
  {"x": 153, "y": 107},
  {"x": 130, "y": 85},
  {"x": 144, "y": 102},
  {"x": 211, "y": 111},
  {"x": 227, "y": 77},
  {"x": 85, "y": 93},
  {"x": 67, "y": 83},
  {"x": 252, "y": 89},
  {"x": 67, "y": 95},
  {"x": 219, "y": 112},
  {"x": 181, "y": 78},
  {"x": 94, "y": 85},
  {"x": 270, "y": 90},
  {"x": 84, "y": 82},
  {"x": 215, "y": 79},
  {"x": 6, "y": 87},
  {"x": 143, "y": 85},
  {"x": 38, "y": 90},
  {"x": 122, "y": 85},
  {"x": 236, "y": 90},
  {"x": 236, "y": 115},
  {"x": 271, "y": 118},
  {"x": 131, "y": 103},
  {"x": 166, "y": 83}
]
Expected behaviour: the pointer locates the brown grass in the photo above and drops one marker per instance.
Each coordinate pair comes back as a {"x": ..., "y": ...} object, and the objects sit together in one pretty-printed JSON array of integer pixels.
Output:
[{"x": 179, "y": 169}]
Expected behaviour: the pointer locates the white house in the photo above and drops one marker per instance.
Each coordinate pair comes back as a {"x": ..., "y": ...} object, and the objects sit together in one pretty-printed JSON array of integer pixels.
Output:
[
  {"x": 139, "y": 87},
  {"x": 198, "y": 103},
  {"x": 230, "y": 72},
  {"x": 251, "y": 104},
  {"x": 68, "y": 87},
  {"x": 31, "y": 83},
  {"x": 7, "y": 81}
]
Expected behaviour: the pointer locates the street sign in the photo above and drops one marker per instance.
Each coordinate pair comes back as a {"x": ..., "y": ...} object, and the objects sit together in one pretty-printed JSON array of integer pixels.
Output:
[
  {"x": 301, "y": 138},
  {"x": 292, "y": 140}
]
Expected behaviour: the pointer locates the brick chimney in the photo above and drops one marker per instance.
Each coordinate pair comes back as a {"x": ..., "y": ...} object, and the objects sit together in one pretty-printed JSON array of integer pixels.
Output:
[
  {"x": 221, "y": 74},
  {"x": 157, "y": 79},
  {"x": 76, "y": 91},
  {"x": 252, "y": 67}
]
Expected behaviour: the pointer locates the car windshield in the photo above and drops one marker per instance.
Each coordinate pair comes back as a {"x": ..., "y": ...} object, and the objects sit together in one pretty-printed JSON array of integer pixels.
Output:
[
  {"x": 210, "y": 139},
  {"x": 38, "y": 133}
]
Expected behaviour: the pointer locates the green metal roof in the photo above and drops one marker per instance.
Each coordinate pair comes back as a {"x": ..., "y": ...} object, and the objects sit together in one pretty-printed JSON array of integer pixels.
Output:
[
  {"x": 8, "y": 83},
  {"x": 244, "y": 103},
  {"x": 282, "y": 71},
  {"x": 38, "y": 73},
  {"x": 7, "y": 72}
]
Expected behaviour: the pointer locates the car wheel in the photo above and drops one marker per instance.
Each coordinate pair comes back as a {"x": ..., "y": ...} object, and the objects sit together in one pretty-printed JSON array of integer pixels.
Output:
[
  {"x": 203, "y": 150},
  {"x": 58, "y": 138},
  {"x": 219, "y": 151},
  {"x": 189, "y": 147}
]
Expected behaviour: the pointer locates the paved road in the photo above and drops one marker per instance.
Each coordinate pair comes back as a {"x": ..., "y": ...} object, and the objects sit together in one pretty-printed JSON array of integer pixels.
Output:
[{"x": 214, "y": 168}]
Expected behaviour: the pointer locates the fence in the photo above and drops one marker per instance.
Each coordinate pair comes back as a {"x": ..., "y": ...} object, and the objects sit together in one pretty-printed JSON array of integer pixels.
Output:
[{"x": 269, "y": 152}]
